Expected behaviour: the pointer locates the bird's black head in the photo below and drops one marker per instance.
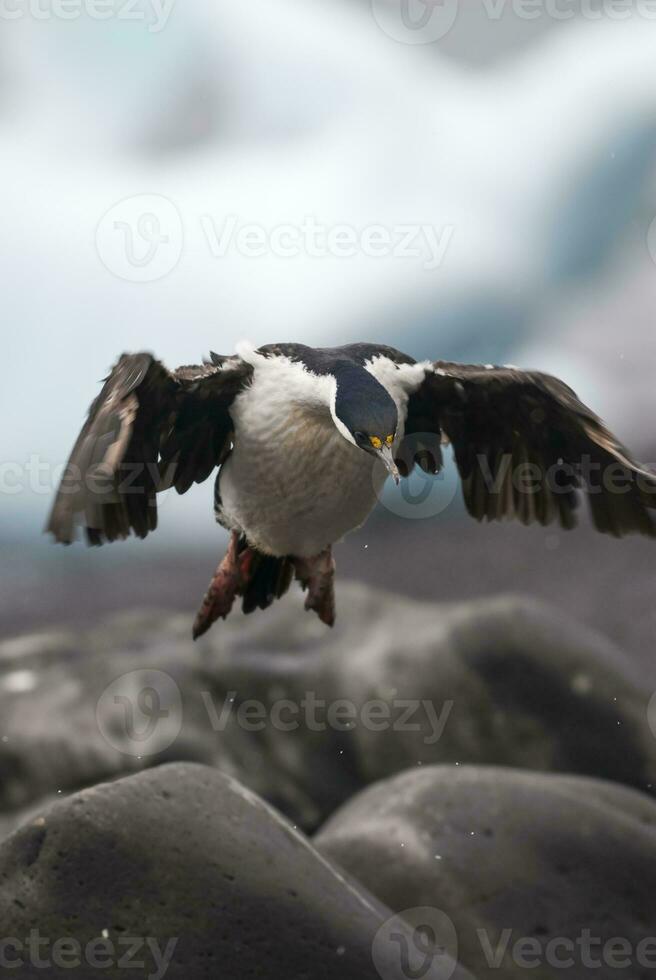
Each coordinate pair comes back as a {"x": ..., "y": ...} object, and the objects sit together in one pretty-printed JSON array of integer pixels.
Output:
[{"x": 366, "y": 415}]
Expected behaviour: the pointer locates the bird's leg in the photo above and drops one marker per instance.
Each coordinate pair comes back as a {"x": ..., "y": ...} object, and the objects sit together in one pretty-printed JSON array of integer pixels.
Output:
[
  {"x": 317, "y": 575},
  {"x": 228, "y": 579}
]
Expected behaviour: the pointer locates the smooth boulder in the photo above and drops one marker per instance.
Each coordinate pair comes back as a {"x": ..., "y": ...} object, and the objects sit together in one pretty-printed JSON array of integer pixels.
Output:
[
  {"x": 306, "y": 716},
  {"x": 546, "y": 875},
  {"x": 194, "y": 876}
]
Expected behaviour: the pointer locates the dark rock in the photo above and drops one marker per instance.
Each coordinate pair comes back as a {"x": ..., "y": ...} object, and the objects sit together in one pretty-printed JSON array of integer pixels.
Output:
[
  {"x": 16, "y": 818},
  {"x": 50, "y": 684},
  {"x": 193, "y": 872},
  {"x": 506, "y": 681},
  {"x": 511, "y": 855}
]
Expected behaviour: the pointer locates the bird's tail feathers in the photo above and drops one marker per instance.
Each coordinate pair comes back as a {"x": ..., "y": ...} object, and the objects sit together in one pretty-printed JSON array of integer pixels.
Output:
[{"x": 266, "y": 578}]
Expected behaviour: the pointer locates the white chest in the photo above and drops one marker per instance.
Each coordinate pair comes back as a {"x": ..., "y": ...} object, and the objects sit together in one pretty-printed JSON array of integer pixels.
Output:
[{"x": 293, "y": 484}]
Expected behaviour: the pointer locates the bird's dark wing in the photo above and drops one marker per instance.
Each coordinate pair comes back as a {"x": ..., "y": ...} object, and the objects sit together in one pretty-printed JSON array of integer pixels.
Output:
[
  {"x": 524, "y": 444},
  {"x": 148, "y": 429}
]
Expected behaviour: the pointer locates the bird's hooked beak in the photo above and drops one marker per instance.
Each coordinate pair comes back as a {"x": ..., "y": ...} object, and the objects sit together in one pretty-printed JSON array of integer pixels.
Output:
[{"x": 386, "y": 455}]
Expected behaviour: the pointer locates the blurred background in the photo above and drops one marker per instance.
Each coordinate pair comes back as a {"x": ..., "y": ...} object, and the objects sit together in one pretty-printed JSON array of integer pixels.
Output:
[{"x": 463, "y": 180}]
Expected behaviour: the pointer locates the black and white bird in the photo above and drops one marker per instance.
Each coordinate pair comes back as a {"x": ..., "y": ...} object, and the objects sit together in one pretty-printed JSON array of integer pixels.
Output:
[{"x": 304, "y": 439}]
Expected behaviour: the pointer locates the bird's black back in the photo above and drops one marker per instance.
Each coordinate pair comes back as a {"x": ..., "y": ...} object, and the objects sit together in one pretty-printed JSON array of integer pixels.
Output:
[{"x": 329, "y": 360}]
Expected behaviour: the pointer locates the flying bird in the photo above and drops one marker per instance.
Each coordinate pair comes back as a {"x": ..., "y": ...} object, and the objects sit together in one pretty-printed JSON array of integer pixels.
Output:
[{"x": 304, "y": 439}]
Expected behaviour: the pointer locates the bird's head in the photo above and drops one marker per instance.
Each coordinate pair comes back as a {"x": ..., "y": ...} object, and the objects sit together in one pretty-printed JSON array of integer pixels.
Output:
[{"x": 365, "y": 414}]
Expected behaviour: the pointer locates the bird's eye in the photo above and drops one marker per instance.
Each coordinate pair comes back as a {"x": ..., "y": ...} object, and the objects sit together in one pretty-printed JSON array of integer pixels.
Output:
[
  {"x": 389, "y": 439},
  {"x": 375, "y": 442}
]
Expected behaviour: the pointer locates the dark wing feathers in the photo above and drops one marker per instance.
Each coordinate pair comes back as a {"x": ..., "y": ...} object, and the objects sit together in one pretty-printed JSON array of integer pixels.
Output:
[
  {"x": 524, "y": 445},
  {"x": 148, "y": 429},
  {"x": 200, "y": 438}
]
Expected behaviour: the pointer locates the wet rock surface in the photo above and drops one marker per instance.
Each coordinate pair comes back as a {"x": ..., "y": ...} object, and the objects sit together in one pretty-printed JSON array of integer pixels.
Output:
[
  {"x": 546, "y": 874},
  {"x": 429, "y": 699},
  {"x": 396, "y": 684},
  {"x": 191, "y": 875}
]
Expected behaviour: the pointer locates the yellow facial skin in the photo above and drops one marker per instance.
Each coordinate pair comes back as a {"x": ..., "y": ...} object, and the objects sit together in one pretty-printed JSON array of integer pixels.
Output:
[{"x": 377, "y": 443}]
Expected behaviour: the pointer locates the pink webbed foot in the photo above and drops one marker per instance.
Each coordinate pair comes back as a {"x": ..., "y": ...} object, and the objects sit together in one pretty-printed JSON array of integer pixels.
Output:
[{"x": 226, "y": 584}]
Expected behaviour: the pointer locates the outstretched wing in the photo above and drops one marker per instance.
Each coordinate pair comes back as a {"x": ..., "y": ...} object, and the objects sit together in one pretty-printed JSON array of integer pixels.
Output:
[
  {"x": 524, "y": 444},
  {"x": 148, "y": 429}
]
